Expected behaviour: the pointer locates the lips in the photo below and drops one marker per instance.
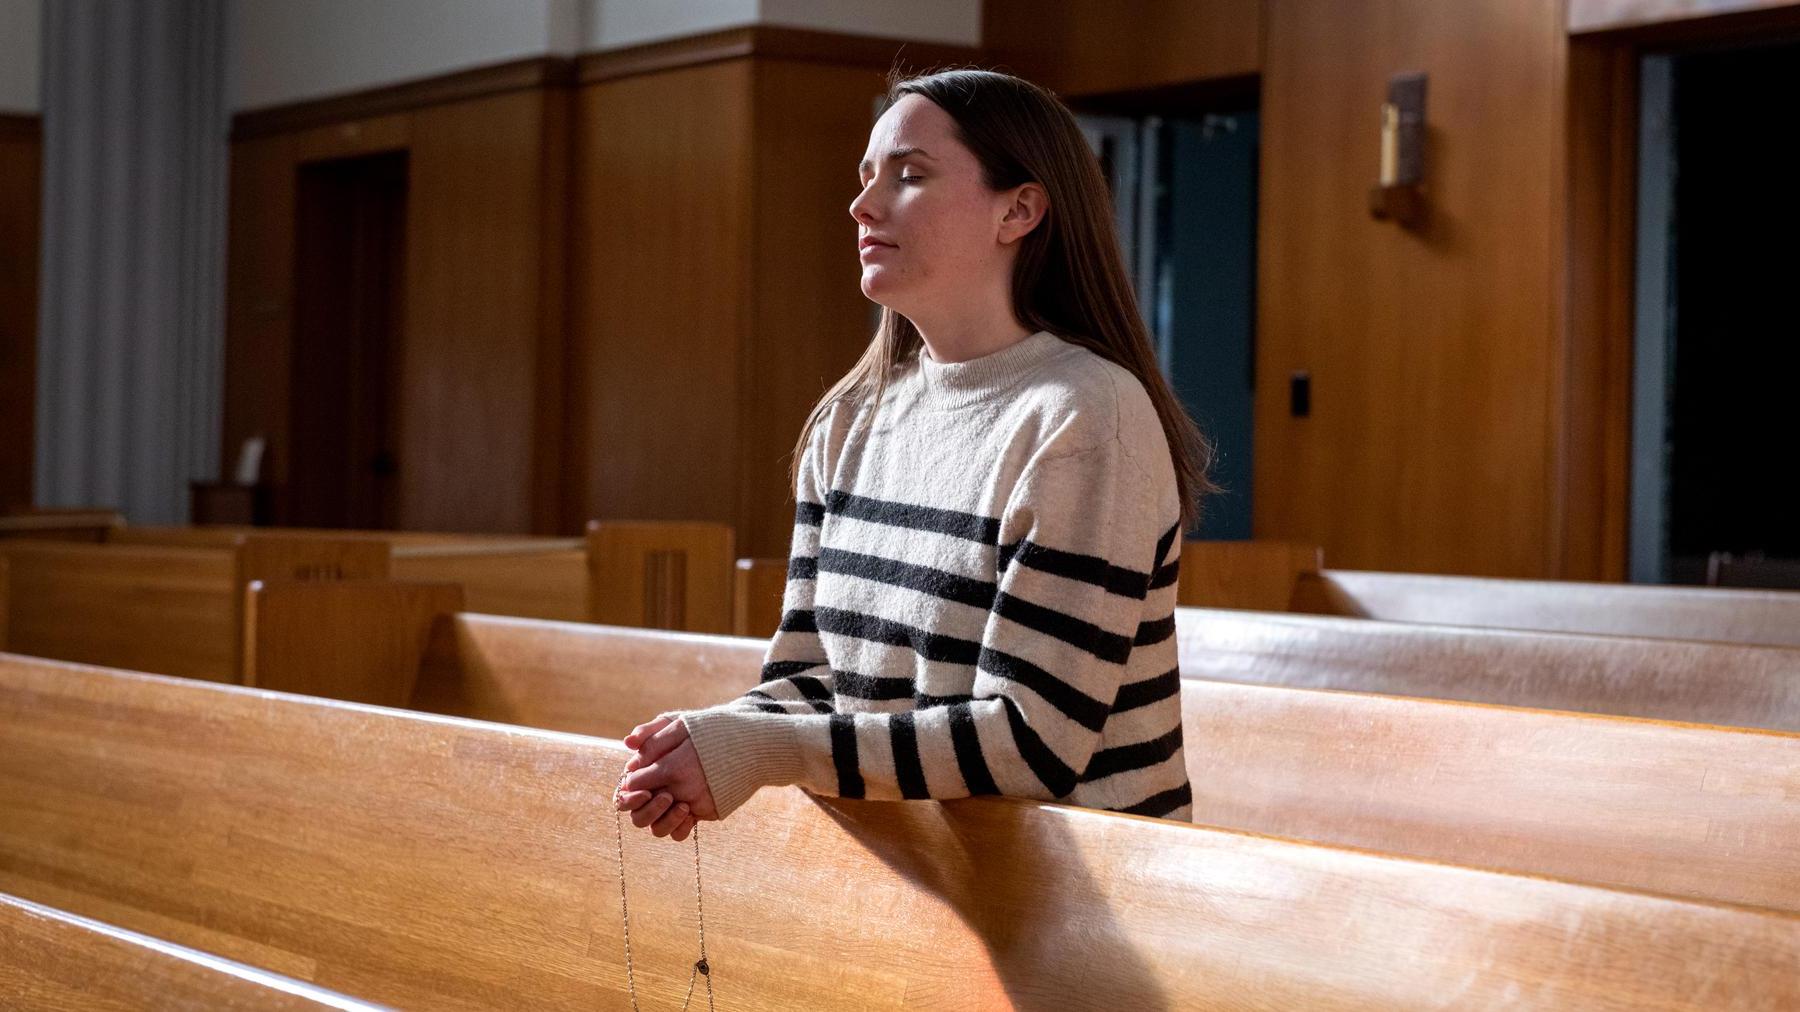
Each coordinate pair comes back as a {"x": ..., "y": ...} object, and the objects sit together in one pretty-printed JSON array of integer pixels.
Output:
[{"x": 868, "y": 242}]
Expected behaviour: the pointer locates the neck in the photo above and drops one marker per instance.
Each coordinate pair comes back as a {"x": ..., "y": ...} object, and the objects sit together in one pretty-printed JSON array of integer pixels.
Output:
[{"x": 967, "y": 336}]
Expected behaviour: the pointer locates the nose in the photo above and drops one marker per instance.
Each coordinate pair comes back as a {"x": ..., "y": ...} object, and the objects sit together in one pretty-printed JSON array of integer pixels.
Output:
[{"x": 860, "y": 207}]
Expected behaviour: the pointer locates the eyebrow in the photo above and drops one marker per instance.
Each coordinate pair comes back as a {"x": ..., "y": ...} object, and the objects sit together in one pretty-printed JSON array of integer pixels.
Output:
[{"x": 894, "y": 156}]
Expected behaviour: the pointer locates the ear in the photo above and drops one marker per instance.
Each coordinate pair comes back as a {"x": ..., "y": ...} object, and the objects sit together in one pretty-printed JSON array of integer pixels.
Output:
[{"x": 1024, "y": 209}]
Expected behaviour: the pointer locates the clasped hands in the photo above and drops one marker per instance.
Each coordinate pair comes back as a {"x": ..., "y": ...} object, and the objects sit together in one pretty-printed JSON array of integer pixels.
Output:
[{"x": 665, "y": 789}]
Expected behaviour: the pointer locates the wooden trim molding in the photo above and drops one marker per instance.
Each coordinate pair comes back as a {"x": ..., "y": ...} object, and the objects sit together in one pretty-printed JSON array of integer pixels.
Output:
[
  {"x": 772, "y": 43},
  {"x": 477, "y": 82},
  {"x": 21, "y": 126}
]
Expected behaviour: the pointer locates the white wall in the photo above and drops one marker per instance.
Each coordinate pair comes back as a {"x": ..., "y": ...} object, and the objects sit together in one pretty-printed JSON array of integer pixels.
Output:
[
  {"x": 289, "y": 50},
  {"x": 20, "y": 44},
  {"x": 611, "y": 24}
]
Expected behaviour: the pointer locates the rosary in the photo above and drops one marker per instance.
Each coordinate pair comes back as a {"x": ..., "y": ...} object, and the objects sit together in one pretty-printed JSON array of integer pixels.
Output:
[{"x": 701, "y": 969}]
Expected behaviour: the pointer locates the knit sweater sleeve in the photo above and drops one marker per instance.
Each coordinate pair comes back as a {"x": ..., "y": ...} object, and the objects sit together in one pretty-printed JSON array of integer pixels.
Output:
[{"x": 1082, "y": 536}]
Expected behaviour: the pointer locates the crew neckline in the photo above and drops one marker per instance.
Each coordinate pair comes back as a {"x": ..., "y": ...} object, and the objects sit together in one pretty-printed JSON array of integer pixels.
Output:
[{"x": 955, "y": 384}]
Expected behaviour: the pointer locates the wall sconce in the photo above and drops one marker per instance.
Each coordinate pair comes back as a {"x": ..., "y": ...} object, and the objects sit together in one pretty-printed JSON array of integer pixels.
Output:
[{"x": 1399, "y": 195}]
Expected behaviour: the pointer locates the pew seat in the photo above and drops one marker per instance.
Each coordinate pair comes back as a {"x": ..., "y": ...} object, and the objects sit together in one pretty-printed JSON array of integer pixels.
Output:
[{"x": 435, "y": 862}]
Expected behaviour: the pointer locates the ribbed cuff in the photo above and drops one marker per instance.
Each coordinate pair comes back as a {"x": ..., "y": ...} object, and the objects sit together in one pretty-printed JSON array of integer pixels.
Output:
[{"x": 741, "y": 751}]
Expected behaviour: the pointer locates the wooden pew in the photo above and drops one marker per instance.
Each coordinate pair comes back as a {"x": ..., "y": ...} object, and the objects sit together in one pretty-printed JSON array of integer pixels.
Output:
[
  {"x": 50, "y": 959},
  {"x": 1683, "y": 809},
  {"x": 176, "y": 611},
  {"x": 433, "y": 862},
  {"x": 1707, "y": 683},
  {"x": 60, "y": 525},
  {"x": 656, "y": 574},
  {"x": 662, "y": 575},
  {"x": 1257, "y": 575},
  {"x": 756, "y": 597},
  {"x": 1765, "y": 617}
]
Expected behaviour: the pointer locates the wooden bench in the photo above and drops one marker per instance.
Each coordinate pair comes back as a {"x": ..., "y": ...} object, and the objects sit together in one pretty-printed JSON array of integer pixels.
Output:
[
  {"x": 1765, "y": 617},
  {"x": 1677, "y": 808},
  {"x": 50, "y": 959},
  {"x": 1706, "y": 683},
  {"x": 756, "y": 597},
  {"x": 60, "y": 525},
  {"x": 662, "y": 575},
  {"x": 176, "y": 611},
  {"x": 433, "y": 862},
  {"x": 1256, "y": 575}
]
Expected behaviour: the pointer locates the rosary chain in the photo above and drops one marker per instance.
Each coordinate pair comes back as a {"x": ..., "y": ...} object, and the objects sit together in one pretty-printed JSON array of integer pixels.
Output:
[{"x": 701, "y": 967}]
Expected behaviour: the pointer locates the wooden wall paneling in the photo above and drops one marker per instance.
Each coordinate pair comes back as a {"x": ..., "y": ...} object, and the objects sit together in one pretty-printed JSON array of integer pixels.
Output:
[
  {"x": 811, "y": 320},
  {"x": 1598, "y": 258},
  {"x": 1430, "y": 445},
  {"x": 471, "y": 330},
  {"x": 352, "y": 139},
  {"x": 549, "y": 419},
  {"x": 259, "y": 301},
  {"x": 662, "y": 292},
  {"x": 21, "y": 159},
  {"x": 1086, "y": 47}
]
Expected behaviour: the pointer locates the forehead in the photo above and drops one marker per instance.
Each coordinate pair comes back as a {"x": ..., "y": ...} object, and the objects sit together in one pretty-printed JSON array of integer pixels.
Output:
[{"x": 912, "y": 122}]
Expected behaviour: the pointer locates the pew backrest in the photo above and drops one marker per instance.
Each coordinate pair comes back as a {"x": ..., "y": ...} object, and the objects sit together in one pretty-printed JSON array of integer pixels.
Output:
[
  {"x": 431, "y": 862},
  {"x": 1706, "y": 683},
  {"x": 662, "y": 574},
  {"x": 756, "y": 597},
  {"x": 1761, "y": 617},
  {"x": 51, "y": 959},
  {"x": 1257, "y": 575},
  {"x": 60, "y": 525},
  {"x": 176, "y": 611}
]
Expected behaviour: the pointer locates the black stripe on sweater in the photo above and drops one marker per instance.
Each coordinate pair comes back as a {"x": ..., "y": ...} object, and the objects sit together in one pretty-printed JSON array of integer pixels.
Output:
[
  {"x": 803, "y": 567},
  {"x": 798, "y": 621},
  {"x": 808, "y": 514},
  {"x": 1150, "y": 690},
  {"x": 1090, "y": 569},
  {"x": 909, "y": 772},
  {"x": 931, "y": 646},
  {"x": 857, "y": 686},
  {"x": 957, "y": 524},
  {"x": 1125, "y": 758},
  {"x": 781, "y": 669},
  {"x": 1164, "y": 543},
  {"x": 924, "y": 579},
  {"x": 1153, "y": 631},
  {"x": 1055, "y": 774},
  {"x": 1108, "y": 646},
  {"x": 967, "y": 743},
  {"x": 1078, "y": 706},
  {"x": 1158, "y": 805},
  {"x": 843, "y": 756},
  {"x": 1166, "y": 576},
  {"x": 812, "y": 704}
]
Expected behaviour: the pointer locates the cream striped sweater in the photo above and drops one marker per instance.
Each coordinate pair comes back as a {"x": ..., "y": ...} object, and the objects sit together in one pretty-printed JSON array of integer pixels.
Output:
[{"x": 980, "y": 597}]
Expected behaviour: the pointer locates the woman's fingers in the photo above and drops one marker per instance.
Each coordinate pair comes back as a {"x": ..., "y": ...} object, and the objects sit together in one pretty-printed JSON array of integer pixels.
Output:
[
  {"x": 632, "y": 800},
  {"x": 671, "y": 820},
  {"x": 646, "y": 729},
  {"x": 683, "y": 831},
  {"x": 660, "y": 744},
  {"x": 652, "y": 810}
]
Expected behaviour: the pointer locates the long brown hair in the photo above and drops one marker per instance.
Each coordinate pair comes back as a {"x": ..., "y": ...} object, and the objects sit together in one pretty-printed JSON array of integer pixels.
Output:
[{"x": 1069, "y": 277}]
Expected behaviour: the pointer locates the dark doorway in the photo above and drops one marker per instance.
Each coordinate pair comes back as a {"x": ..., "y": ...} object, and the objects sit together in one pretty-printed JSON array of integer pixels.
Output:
[
  {"x": 1728, "y": 327},
  {"x": 349, "y": 273}
]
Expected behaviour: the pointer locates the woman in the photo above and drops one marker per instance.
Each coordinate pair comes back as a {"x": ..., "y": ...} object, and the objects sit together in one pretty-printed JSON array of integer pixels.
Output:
[{"x": 981, "y": 587}]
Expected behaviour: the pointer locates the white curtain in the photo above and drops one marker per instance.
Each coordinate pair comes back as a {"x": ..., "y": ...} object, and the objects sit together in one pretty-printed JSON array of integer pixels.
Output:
[{"x": 131, "y": 308}]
